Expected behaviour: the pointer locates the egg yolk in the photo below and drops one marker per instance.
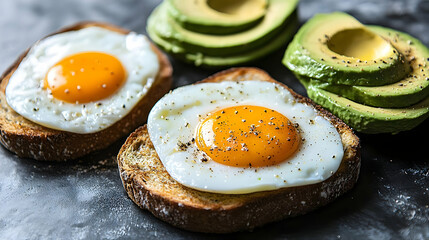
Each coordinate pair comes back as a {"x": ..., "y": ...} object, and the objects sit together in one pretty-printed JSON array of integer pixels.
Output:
[
  {"x": 85, "y": 77},
  {"x": 247, "y": 136}
]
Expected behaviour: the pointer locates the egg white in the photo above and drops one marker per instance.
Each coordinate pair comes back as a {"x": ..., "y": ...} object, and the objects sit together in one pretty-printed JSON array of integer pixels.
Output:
[
  {"x": 174, "y": 119},
  {"x": 25, "y": 93}
]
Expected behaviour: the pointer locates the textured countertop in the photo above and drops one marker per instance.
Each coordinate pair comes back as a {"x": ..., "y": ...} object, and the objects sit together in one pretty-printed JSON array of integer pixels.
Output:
[{"x": 84, "y": 199}]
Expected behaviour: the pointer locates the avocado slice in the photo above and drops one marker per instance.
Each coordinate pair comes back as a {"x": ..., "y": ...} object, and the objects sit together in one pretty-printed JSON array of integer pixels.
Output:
[
  {"x": 406, "y": 92},
  {"x": 337, "y": 49},
  {"x": 217, "y": 16},
  {"x": 200, "y": 59},
  {"x": 369, "y": 119},
  {"x": 275, "y": 19}
]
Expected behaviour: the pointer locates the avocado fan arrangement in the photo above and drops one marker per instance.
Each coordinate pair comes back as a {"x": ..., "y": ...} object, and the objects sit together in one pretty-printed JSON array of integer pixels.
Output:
[
  {"x": 374, "y": 78},
  {"x": 222, "y": 32}
]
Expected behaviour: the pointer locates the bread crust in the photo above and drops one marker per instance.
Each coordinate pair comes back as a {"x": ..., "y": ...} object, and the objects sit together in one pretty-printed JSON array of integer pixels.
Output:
[
  {"x": 151, "y": 187},
  {"x": 30, "y": 140}
]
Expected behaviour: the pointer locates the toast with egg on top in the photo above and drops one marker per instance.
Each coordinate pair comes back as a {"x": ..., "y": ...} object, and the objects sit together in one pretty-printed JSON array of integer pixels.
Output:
[
  {"x": 151, "y": 187},
  {"x": 31, "y": 140}
]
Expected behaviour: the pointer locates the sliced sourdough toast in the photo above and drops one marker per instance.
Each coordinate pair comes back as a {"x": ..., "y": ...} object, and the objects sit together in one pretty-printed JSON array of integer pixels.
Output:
[
  {"x": 30, "y": 140},
  {"x": 150, "y": 186}
]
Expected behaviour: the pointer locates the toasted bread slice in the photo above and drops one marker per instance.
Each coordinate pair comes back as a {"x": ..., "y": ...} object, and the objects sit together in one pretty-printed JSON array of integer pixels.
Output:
[
  {"x": 150, "y": 186},
  {"x": 30, "y": 140}
]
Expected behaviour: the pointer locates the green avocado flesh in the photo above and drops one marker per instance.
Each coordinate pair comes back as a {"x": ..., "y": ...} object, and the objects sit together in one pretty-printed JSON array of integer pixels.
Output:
[
  {"x": 217, "y": 16},
  {"x": 405, "y": 92},
  {"x": 369, "y": 119},
  {"x": 310, "y": 53},
  {"x": 275, "y": 29},
  {"x": 399, "y": 104}
]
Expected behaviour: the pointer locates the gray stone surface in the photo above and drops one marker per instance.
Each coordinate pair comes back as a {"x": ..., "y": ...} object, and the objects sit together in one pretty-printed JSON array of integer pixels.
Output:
[{"x": 84, "y": 199}]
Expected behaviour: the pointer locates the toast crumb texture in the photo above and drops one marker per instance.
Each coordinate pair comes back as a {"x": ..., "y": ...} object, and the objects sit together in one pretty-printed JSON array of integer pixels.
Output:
[
  {"x": 150, "y": 186},
  {"x": 30, "y": 140}
]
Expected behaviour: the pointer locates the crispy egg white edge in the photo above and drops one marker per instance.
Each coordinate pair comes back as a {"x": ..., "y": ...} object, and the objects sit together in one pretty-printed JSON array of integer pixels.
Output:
[
  {"x": 24, "y": 92},
  {"x": 174, "y": 119}
]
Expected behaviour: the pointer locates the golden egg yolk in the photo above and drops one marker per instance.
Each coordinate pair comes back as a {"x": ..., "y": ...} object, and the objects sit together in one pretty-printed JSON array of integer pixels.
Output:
[
  {"x": 247, "y": 136},
  {"x": 85, "y": 77}
]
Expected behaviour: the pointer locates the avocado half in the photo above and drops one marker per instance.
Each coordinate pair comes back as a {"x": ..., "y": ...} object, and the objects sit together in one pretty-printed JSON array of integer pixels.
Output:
[
  {"x": 246, "y": 38},
  {"x": 375, "y": 78}
]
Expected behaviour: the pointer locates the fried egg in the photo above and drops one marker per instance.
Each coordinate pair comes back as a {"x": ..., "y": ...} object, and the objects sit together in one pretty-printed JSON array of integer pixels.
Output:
[
  {"x": 242, "y": 137},
  {"x": 82, "y": 81}
]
